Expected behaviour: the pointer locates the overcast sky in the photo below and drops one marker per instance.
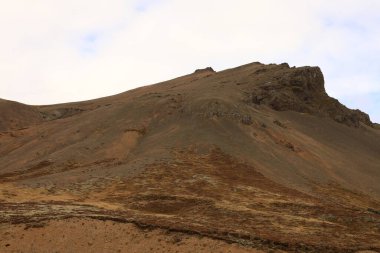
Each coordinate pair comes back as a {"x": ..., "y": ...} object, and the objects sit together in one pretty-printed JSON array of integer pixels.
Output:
[{"x": 54, "y": 51}]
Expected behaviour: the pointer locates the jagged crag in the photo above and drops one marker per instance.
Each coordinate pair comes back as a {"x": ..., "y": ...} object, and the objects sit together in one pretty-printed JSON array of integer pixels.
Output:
[
  {"x": 259, "y": 156},
  {"x": 302, "y": 90}
]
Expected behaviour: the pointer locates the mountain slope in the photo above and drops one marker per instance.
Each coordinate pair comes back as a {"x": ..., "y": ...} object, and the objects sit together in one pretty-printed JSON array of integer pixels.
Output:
[
  {"x": 15, "y": 115},
  {"x": 261, "y": 147}
]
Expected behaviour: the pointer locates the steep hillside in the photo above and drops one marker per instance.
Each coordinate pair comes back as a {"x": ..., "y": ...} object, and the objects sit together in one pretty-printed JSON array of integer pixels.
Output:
[{"x": 257, "y": 155}]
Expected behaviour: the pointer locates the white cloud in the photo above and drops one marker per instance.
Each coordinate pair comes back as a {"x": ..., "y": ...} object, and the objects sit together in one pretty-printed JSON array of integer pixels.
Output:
[{"x": 56, "y": 51}]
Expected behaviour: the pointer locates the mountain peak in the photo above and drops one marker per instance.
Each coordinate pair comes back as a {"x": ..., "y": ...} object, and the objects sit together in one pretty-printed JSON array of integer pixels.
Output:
[{"x": 302, "y": 90}]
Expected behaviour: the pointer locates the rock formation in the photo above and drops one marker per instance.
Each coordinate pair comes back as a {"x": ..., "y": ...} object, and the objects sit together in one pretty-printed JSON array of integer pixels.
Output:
[{"x": 302, "y": 90}]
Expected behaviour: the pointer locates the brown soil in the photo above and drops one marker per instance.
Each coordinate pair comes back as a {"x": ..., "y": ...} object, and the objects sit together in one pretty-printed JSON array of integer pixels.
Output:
[{"x": 86, "y": 235}]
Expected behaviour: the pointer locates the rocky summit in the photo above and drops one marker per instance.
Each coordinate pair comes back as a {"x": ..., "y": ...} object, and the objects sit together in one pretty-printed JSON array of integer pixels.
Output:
[{"x": 257, "y": 158}]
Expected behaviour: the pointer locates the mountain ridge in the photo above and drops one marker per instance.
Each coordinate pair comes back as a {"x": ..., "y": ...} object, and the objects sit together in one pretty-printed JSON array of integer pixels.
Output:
[{"x": 298, "y": 89}]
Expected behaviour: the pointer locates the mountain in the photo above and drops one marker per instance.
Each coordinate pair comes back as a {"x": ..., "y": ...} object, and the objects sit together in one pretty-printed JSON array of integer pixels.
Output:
[{"x": 259, "y": 156}]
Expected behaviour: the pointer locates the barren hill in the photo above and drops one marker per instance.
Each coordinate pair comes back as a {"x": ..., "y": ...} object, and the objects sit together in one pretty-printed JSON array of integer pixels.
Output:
[{"x": 259, "y": 156}]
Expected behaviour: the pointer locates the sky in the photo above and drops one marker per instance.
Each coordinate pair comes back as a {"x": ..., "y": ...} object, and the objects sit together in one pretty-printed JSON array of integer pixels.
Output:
[{"x": 55, "y": 51}]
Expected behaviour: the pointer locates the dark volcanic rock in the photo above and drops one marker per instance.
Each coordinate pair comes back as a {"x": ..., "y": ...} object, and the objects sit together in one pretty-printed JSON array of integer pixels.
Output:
[
  {"x": 208, "y": 69},
  {"x": 302, "y": 90},
  {"x": 60, "y": 113}
]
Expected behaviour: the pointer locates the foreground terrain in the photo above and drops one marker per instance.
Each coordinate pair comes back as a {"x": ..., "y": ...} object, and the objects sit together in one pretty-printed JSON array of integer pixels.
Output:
[{"x": 253, "y": 159}]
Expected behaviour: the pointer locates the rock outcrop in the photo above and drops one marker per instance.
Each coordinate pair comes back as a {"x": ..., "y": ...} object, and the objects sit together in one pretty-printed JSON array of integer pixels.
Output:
[
  {"x": 302, "y": 90},
  {"x": 208, "y": 69}
]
